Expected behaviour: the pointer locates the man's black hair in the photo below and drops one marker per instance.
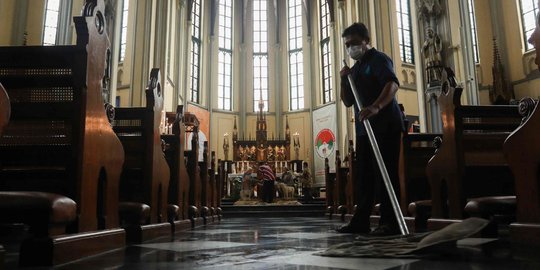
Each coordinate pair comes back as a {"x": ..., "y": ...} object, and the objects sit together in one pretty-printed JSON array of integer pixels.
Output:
[{"x": 357, "y": 29}]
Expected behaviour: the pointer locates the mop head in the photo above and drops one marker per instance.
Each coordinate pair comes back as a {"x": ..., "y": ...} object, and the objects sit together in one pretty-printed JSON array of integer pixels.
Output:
[{"x": 408, "y": 246}]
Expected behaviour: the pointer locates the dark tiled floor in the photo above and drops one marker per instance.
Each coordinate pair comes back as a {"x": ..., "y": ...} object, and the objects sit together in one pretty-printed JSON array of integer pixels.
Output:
[{"x": 279, "y": 243}]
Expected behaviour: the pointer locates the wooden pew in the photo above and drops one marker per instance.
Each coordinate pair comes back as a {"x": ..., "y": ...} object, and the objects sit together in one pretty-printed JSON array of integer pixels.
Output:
[
  {"x": 215, "y": 187},
  {"x": 192, "y": 126},
  {"x": 222, "y": 186},
  {"x": 470, "y": 162},
  {"x": 145, "y": 176},
  {"x": 331, "y": 189},
  {"x": 179, "y": 181},
  {"x": 5, "y": 111},
  {"x": 59, "y": 138},
  {"x": 341, "y": 186},
  {"x": 352, "y": 179},
  {"x": 205, "y": 186},
  {"x": 416, "y": 151},
  {"x": 5, "y": 108},
  {"x": 522, "y": 150}
]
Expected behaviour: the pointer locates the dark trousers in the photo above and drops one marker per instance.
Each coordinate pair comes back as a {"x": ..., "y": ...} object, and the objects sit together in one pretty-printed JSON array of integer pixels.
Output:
[
  {"x": 268, "y": 191},
  {"x": 370, "y": 182},
  {"x": 307, "y": 194}
]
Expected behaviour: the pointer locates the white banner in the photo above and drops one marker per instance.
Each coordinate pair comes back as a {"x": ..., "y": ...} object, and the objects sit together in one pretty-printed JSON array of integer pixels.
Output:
[{"x": 324, "y": 141}]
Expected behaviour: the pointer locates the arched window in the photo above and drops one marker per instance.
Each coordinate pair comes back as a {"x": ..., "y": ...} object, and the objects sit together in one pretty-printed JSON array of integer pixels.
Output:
[
  {"x": 260, "y": 54},
  {"x": 529, "y": 9},
  {"x": 326, "y": 56},
  {"x": 225, "y": 55},
  {"x": 405, "y": 31},
  {"x": 52, "y": 16},
  {"x": 296, "y": 56},
  {"x": 123, "y": 30},
  {"x": 474, "y": 33},
  {"x": 195, "y": 51}
]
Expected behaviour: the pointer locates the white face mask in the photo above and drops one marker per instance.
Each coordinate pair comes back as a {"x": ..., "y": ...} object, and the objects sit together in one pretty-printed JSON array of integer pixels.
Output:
[{"x": 356, "y": 52}]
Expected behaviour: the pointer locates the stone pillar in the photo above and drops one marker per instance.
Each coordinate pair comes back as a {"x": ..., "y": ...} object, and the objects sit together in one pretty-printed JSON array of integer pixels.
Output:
[{"x": 429, "y": 12}]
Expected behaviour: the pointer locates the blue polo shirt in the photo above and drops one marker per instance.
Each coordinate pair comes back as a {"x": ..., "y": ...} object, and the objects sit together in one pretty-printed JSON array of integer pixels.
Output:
[{"x": 370, "y": 75}]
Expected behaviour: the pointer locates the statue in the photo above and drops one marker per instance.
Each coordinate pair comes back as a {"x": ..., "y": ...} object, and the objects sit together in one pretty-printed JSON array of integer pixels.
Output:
[
  {"x": 432, "y": 54},
  {"x": 226, "y": 146},
  {"x": 270, "y": 153},
  {"x": 296, "y": 144}
]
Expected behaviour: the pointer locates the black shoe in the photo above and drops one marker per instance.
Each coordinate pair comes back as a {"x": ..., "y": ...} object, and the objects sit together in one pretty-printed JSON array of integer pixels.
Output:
[
  {"x": 350, "y": 228},
  {"x": 384, "y": 230}
]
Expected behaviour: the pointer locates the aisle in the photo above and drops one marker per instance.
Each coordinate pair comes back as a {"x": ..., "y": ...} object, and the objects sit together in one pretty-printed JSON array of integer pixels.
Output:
[{"x": 267, "y": 243}]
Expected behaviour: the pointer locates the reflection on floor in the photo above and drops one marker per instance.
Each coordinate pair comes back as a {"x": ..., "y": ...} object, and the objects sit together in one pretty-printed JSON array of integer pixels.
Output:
[{"x": 280, "y": 243}]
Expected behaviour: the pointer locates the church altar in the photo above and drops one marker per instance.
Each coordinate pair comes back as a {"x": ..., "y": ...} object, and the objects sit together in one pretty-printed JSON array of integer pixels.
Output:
[{"x": 248, "y": 153}]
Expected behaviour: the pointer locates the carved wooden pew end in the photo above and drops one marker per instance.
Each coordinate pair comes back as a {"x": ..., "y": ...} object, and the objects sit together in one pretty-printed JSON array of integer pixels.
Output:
[
  {"x": 145, "y": 177},
  {"x": 49, "y": 144},
  {"x": 470, "y": 162},
  {"x": 330, "y": 181},
  {"x": 46, "y": 214},
  {"x": 173, "y": 211},
  {"x": 135, "y": 218},
  {"x": 2, "y": 251},
  {"x": 178, "y": 192},
  {"x": 497, "y": 209},
  {"x": 420, "y": 211}
]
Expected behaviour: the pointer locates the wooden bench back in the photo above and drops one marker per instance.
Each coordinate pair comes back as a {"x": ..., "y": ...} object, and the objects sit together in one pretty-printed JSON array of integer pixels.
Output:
[
  {"x": 352, "y": 178},
  {"x": 417, "y": 150},
  {"x": 214, "y": 184},
  {"x": 470, "y": 161},
  {"x": 331, "y": 188},
  {"x": 192, "y": 156},
  {"x": 174, "y": 153},
  {"x": 522, "y": 149},
  {"x": 205, "y": 180},
  {"x": 145, "y": 177},
  {"x": 5, "y": 109},
  {"x": 59, "y": 138},
  {"x": 341, "y": 183}
]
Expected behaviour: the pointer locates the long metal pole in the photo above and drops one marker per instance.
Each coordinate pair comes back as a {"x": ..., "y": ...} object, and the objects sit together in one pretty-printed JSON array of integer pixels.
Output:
[{"x": 386, "y": 178}]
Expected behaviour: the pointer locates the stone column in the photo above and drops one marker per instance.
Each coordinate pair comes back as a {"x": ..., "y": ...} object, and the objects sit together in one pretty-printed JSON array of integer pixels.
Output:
[{"x": 429, "y": 12}]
